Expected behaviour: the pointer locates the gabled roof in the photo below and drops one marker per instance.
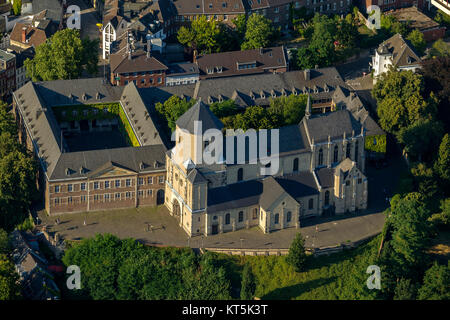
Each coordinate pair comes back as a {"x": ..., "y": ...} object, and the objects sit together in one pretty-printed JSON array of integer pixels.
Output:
[
  {"x": 332, "y": 124},
  {"x": 199, "y": 112},
  {"x": 139, "y": 62},
  {"x": 185, "y": 7},
  {"x": 34, "y": 35},
  {"x": 228, "y": 62},
  {"x": 195, "y": 177},
  {"x": 403, "y": 53}
]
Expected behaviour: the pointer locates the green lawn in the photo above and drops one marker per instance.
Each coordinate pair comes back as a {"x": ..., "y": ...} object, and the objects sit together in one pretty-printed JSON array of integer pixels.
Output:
[{"x": 338, "y": 276}]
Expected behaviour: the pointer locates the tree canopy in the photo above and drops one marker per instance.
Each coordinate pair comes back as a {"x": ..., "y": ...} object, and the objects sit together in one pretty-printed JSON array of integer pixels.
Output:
[
  {"x": 436, "y": 283},
  {"x": 172, "y": 109},
  {"x": 202, "y": 35},
  {"x": 64, "y": 56},
  {"x": 259, "y": 32},
  {"x": 297, "y": 255}
]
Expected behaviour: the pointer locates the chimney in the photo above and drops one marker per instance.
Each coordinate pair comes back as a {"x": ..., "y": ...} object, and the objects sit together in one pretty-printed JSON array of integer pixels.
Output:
[
  {"x": 129, "y": 51},
  {"x": 194, "y": 59},
  {"x": 307, "y": 74},
  {"x": 261, "y": 51},
  {"x": 149, "y": 49},
  {"x": 24, "y": 34}
]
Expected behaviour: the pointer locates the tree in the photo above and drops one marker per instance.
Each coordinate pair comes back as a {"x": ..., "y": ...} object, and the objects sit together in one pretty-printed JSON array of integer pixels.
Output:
[
  {"x": 202, "y": 35},
  {"x": 421, "y": 139},
  {"x": 248, "y": 285},
  {"x": 240, "y": 23},
  {"x": 436, "y": 283},
  {"x": 390, "y": 25},
  {"x": 63, "y": 56},
  {"x": 400, "y": 100},
  {"x": 17, "y": 7},
  {"x": 9, "y": 290},
  {"x": 172, "y": 109},
  {"x": 259, "y": 32},
  {"x": 436, "y": 74},
  {"x": 405, "y": 290},
  {"x": 297, "y": 255},
  {"x": 290, "y": 109},
  {"x": 224, "y": 109},
  {"x": 442, "y": 164},
  {"x": 411, "y": 233},
  {"x": 440, "y": 48},
  {"x": 442, "y": 219},
  {"x": 322, "y": 41},
  {"x": 3, "y": 241},
  {"x": 417, "y": 40}
]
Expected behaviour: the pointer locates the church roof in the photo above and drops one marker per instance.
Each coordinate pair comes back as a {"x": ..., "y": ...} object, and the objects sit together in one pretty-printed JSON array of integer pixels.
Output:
[{"x": 199, "y": 112}]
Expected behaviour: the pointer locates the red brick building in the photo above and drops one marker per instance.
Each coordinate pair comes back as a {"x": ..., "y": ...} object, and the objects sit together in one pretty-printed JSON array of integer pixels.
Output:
[
  {"x": 7, "y": 73},
  {"x": 139, "y": 67},
  {"x": 386, "y": 5}
]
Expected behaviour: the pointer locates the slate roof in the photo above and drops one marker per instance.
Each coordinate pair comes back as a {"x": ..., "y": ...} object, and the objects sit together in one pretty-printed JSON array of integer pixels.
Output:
[
  {"x": 325, "y": 177},
  {"x": 35, "y": 102},
  {"x": 195, "y": 177},
  {"x": 332, "y": 124},
  {"x": 53, "y": 7},
  {"x": 266, "y": 58},
  {"x": 190, "y": 7},
  {"x": 96, "y": 162},
  {"x": 199, "y": 112},
  {"x": 139, "y": 62},
  {"x": 184, "y": 68},
  {"x": 403, "y": 53},
  {"x": 344, "y": 99}
]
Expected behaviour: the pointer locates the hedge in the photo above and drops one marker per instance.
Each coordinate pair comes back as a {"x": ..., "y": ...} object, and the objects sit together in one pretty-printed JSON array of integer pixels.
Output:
[{"x": 379, "y": 146}]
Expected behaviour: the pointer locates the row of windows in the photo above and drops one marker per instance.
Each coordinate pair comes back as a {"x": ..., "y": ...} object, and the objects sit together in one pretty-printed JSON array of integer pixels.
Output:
[
  {"x": 111, "y": 183},
  {"x": 144, "y": 81},
  {"x": 336, "y": 153},
  {"x": 240, "y": 216},
  {"x": 108, "y": 196}
]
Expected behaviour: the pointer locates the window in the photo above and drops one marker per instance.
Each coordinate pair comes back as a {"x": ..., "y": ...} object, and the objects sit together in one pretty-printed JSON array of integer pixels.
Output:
[
  {"x": 241, "y": 216},
  {"x": 320, "y": 157},
  {"x": 336, "y": 153},
  {"x": 227, "y": 218},
  {"x": 347, "y": 183},
  {"x": 95, "y": 185},
  {"x": 128, "y": 195},
  {"x": 117, "y": 196},
  {"x": 255, "y": 213},
  {"x": 150, "y": 192},
  {"x": 96, "y": 197},
  {"x": 359, "y": 181},
  {"x": 83, "y": 199},
  {"x": 327, "y": 198},
  {"x": 56, "y": 189},
  {"x": 289, "y": 216},
  {"x": 277, "y": 218},
  {"x": 117, "y": 183},
  {"x": 311, "y": 204},
  {"x": 240, "y": 174},
  {"x": 56, "y": 201},
  {"x": 356, "y": 151},
  {"x": 69, "y": 187},
  {"x": 69, "y": 200},
  {"x": 106, "y": 184},
  {"x": 161, "y": 179},
  {"x": 141, "y": 181},
  {"x": 107, "y": 197},
  {"x": 295, "y": 169},
  {"x": 159, "y": 79},
  {"x": 128, "y": 182},
  {"x": 215, "y": 218},
  {"x": 150, "y": 179},
  {"x": 347, "y": 153}
]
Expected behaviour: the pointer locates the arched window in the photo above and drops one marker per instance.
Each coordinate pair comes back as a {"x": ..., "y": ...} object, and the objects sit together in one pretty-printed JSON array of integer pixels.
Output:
[
  {"x": 240, "y": 174},
  {"x": 227, "y": 218},
  {"x": 320, "y": 157},
  {"x": 356, "y": 151},
  {"x": 241, "y": 216},
  {"x": 277, "y": 218},
  {"x": 347, "y": 154},
  {"x": 327, "y": 198},
  {"x": 255, "y": 213},
  {"x": 311, "y": 204},
  {"x": 295, "y": 169},
  {"x": 336, "y": 153},
  {"x": 289, "y": 216}
]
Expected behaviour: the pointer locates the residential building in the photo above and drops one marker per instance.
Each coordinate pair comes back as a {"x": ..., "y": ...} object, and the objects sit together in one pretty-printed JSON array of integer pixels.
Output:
[
  {"x": 21, "y": 56},
  {"x": 237, "y": 63},
  {"x": 396, "y": 52},
  {"x": 386, "y": 5}
]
